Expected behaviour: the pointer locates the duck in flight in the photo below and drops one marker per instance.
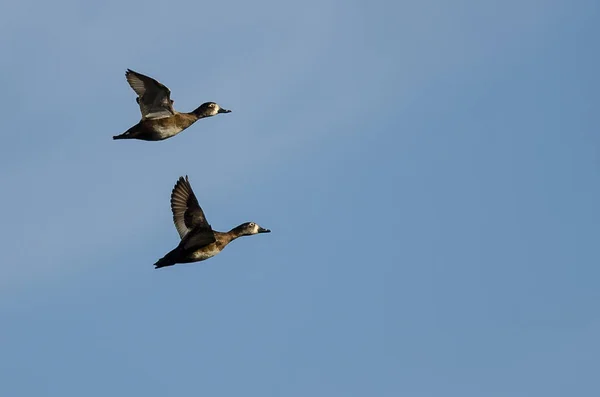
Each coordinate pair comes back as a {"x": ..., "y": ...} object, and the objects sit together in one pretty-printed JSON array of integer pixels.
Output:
[
  {"x": 159, "y": 119},
  {"x": 198, "y": 240}
]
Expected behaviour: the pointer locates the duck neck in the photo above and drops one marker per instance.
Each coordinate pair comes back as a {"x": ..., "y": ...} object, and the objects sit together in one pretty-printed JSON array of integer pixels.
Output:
[
  {"x": 224, "y": 238},
  {"x": 236, "y": 232},
  {"x": 200, "y": 112}
]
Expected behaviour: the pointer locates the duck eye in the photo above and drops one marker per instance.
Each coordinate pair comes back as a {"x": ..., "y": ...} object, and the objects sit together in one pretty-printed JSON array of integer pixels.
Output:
[{"x": 212, "y": 105}]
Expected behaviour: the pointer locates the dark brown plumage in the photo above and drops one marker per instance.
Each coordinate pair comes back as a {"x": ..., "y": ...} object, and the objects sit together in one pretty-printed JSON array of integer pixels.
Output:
[
  {"x": 198, "y": 240},
  {"x": 159, "y": 119}
]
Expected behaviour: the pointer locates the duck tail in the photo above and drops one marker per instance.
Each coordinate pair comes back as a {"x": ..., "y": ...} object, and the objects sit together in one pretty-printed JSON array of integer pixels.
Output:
[
  {"x": 129, "y": 134},
  {"x": 125, "y": 135},
  {"x": 168, "y": 260}
]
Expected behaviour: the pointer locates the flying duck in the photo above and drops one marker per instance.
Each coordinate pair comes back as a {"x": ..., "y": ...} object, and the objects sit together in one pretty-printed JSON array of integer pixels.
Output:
[
  {"x": 198, "y": 240},
  {"x": 159, "y": 119}
]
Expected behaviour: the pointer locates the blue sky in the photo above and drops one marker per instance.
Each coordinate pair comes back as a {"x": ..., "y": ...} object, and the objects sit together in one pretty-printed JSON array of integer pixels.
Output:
[{"x": 429, "y": 171}]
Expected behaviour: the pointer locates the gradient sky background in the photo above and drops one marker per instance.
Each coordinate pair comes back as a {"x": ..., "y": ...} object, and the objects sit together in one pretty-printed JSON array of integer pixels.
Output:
[{"x": 429, "y": 170}]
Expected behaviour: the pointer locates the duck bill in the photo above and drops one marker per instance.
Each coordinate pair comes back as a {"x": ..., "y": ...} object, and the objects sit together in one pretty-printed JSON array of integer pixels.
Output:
[
  {"x": 221, "y": 110},
  {"x": 263, "y": 230}
]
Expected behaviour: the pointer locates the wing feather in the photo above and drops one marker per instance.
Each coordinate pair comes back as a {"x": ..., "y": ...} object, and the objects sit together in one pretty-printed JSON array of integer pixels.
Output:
[
  {"x": 187, "y": 213},
  {"x": 153, "y": 98}
]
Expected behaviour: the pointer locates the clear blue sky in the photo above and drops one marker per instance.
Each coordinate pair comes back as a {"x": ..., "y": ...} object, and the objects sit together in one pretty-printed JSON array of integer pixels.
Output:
[{"x": 429, "y": 170}]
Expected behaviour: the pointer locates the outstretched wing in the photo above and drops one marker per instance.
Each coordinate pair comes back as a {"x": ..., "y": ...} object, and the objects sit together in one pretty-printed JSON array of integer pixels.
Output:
[
  {"x": 154, "y": 98},
  {"x": 187, "y": 214}
]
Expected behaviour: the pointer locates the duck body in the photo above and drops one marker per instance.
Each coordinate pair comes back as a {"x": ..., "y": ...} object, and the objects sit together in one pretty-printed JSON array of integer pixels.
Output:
[
  {"x": 198, "y": 240},
  {"x": 182, "y": 254},
  {"x": 159, "y": 129},
  {"x": 159, "y": 120}
]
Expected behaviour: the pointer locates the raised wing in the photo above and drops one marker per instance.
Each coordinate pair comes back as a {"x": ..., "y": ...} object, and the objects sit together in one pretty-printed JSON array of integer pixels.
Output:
[
  {"x": 187, "y": 214},
  {"x": 154, "y": 98}
]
